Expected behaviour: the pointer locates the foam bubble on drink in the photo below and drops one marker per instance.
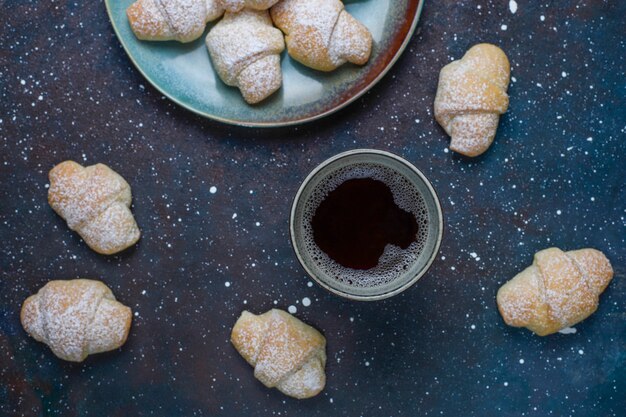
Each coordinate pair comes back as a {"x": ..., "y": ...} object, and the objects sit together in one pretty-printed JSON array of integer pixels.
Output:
[{"x": 394, "y": 261}]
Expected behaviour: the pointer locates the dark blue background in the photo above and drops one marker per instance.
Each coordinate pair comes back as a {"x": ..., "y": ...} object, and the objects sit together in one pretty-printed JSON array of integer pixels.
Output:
[{"x": 555, "y": 176}]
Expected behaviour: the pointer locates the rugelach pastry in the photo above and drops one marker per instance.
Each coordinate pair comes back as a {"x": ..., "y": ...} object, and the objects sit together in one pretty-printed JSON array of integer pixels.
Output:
[
  {"x": 164, "y": 20},
  {"x": 557, "y": 291},
  {"x": 245, "y": 50},
  {"x": 321, "y": 34},
  {"x": 471, "y": 97},
  {"x": 95, "y": 202},
  {"x": 76, "y": 318},
  {"x": 286, "y": 353}
]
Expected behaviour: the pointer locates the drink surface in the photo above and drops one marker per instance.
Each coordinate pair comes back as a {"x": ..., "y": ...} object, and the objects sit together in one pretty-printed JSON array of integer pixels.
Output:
[
  {"x": 368, "y": 184},
  {"x": 358, "y": 219}
]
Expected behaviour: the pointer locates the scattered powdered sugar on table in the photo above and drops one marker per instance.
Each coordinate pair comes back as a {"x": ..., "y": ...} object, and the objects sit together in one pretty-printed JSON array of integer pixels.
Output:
[{"x": 568, "y": 330}]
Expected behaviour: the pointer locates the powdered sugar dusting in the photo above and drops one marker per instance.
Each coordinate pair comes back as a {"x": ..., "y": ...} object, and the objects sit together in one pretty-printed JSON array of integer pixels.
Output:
[
  {"x": 559, "y": 290},
  {"x": 238, "y": 5},
  {"x": 181, "y": 20},
  {"x": 245, "y": 48},
  {"x": 286, "y": 353},
  {"x": 350, "y": 41},
  {"x": 471, "y": 97},
  {"x": 95, "y": 202},
  {"x": 76, "y": 318},
  {"x": 324, "y": 36}
]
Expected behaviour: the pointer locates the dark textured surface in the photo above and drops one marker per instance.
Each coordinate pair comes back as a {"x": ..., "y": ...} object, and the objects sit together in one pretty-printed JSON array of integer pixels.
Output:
[{"x": 555, "y": 176}]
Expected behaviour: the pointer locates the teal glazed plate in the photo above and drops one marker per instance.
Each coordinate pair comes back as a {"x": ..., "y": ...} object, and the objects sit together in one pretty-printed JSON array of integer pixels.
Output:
[{"x": 184, "y": 73}]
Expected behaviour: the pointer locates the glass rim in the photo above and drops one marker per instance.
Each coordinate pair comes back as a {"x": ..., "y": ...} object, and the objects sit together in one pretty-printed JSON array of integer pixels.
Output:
[{"x": 375, "y": 153}]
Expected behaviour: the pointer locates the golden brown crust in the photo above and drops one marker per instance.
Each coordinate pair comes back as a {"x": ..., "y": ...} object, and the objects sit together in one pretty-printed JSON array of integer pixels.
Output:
[
  {"x": 76, "y": 318},
  {"x": 321, "y": 34},
  {"x": 286, "y": 353},
  {"x": 559, "y": 290},
  {"x": 471, "y": 97},
  {"x": 95, "y": 202}
]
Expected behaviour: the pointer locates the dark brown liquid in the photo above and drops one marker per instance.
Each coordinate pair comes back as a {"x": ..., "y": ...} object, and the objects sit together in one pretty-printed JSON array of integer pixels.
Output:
[{"x": 357, "y": 220}]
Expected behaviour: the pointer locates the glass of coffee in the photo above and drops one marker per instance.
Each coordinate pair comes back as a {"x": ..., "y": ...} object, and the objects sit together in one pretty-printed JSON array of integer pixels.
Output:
[{"x": 366, "y": 224}]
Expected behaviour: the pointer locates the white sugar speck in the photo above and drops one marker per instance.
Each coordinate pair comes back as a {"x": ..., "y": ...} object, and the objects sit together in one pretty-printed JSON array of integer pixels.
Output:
[
  {"x": 542, "y": 18},
  {"x": 257, "y": 224},
  {"x": 513, "y": 6},
  {"x": 558, "y": 212},
  {"x": 473, "y": 254},
  {"x": 580, "y": 352},
  {"x": 213, "y": 189},
  {"x": 227, "y": 284},
  {"x": 521, "y": 361},
  {"x": 473, "y": 327},
  {"x": 306, "y": 301},
  {"x": 504, "y": 27},
  {"x": 234, "y": 215},
  {"x": 292, "y": 309},
  {"x": 563, "y": 74},
  {"x": 568, "y": 330},
  {"x": 309, "y": 284},
  {"x": 367, "y": 363},
  {"x": 506, "y": 384},
  {"x": 23, "y": 82}
]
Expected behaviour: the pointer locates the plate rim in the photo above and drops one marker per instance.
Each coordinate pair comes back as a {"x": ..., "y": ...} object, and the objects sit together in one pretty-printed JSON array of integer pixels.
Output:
[{"x": 295, "y": 122}]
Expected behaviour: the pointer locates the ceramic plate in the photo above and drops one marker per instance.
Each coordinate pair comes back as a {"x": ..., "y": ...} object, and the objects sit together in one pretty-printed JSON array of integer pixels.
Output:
[{"x": 184, "y": 73}]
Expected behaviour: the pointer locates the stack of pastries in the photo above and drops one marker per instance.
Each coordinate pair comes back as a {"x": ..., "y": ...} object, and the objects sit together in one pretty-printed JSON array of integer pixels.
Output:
[{"x": 245, "y": 46}]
